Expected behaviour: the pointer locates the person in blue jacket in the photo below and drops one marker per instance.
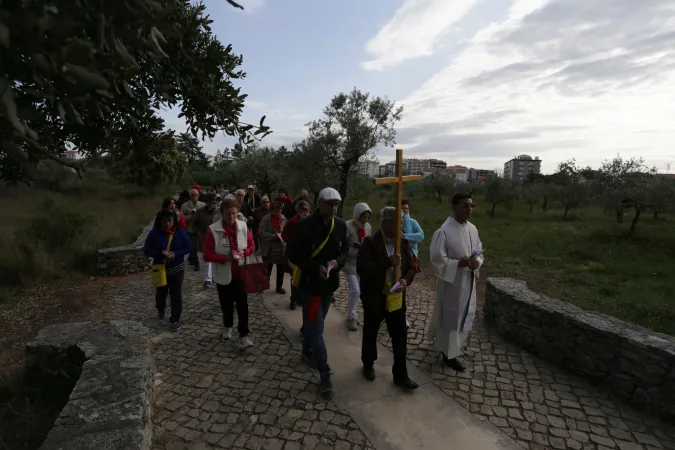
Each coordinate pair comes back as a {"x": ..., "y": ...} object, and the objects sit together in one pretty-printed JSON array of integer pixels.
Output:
[
  {"x": 412, "y": 232},
  {"x": 156, "y": 248}
]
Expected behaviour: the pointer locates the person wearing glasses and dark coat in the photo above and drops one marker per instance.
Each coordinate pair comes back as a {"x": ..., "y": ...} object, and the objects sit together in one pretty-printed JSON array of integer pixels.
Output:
[{"x": 456, "y": 257}]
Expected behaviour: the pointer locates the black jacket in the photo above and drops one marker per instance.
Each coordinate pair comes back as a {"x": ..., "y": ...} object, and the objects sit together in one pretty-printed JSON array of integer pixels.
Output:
[
  {"x": 309, "y": 233},
  {"x": 372, "y": 264}
]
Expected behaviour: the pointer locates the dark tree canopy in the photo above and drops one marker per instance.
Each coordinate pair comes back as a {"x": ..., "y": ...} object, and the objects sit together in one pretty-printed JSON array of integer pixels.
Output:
[{"x": 91, "y": 75}]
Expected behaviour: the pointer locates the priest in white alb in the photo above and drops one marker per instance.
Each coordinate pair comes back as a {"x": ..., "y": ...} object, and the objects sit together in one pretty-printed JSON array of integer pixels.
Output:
[{"x": 456, "y": 256}]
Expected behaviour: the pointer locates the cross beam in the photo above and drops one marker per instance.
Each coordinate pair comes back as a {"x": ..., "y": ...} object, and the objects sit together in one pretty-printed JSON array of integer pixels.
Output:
[{"x": 399, "y": 179}]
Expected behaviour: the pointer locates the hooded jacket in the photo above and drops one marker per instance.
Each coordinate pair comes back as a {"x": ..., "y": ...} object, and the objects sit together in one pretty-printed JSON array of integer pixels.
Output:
[
  {"x": 412, "y": 231},
  {"x": 353, "y": 236}
]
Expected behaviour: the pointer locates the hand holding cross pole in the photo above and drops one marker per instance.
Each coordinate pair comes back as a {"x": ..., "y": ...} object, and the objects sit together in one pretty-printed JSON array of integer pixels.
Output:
[{"x": 399, "y": 179}]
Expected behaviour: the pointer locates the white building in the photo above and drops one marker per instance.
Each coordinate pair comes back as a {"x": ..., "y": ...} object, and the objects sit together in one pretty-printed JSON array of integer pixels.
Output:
[
  {"x": 70, "y": 154},
  {"x": 521, "y": 166},
  {"x": 369, "y": 168},
  {"x": 459, "y": 173}
]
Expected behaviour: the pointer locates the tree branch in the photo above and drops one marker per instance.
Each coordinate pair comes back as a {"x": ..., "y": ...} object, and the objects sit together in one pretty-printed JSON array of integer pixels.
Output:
[{"x": 73, "y": 165}]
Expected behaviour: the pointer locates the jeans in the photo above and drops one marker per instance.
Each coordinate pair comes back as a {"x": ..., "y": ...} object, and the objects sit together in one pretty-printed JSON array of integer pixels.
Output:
[
  {"x": 354, "y": 294},
  {"x": 280, "y": 274},
  {"x": 314, "y": 311},
  {"x": 173, "y": 289},
  {"x": 373, "y": 315},
  {"x": 230, "y": 295}
]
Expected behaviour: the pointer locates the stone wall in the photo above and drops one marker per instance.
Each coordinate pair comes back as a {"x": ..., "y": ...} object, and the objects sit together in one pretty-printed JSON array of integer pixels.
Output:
[
  {"x": 635, "y": 364},
  {"x": 124, "y": 260},
  {"x": 110, "y": 406}
]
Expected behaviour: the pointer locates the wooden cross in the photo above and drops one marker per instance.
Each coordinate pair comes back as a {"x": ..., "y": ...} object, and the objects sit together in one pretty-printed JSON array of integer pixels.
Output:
[{"x": 399, "y": 179}]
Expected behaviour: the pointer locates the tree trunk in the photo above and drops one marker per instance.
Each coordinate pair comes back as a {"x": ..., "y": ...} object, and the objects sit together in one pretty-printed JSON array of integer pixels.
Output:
[
  {"x": 545, "y": 204},
  {"x": 440, "y": 197},
  {"x": 619, "y": 216},
  {"x": 531, "y": 206},
  {"x": 566, "y": 210},
  {"x": 316, "y": 199},
  {"x": 636, "y": 217},
  {"x": 344, "y": 173},
  {"x": 656, "y": 215},
  {"x": 492, "y": 211}
]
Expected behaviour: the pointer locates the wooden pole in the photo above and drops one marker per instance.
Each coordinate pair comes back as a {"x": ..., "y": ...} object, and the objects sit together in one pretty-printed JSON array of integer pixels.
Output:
[{"x": 399, "y": 199}]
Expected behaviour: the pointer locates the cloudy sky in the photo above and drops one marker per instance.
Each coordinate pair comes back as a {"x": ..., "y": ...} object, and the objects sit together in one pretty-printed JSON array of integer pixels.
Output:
[{"x": 480, "y": 80}]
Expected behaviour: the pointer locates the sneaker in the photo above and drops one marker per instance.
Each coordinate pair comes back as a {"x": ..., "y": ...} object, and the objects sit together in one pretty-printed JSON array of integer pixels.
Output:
[
  {"x": 351, "y": 324},
  {"x": 160, "y": 315},
  {"x": 207, "y": 284},
  {"x": 227, "y": 333},
  {"x": 325, "y": 385},
  {"x": 244, "y": 342},
  {"x": 175, "y": 326}
]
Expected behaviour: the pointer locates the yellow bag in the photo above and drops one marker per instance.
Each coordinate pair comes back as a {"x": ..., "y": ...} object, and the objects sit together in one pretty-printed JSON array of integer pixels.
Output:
[
  {"x": 394, "y": 300},
  {"x": 297, "y": 272},
  {"x": 159, "y": 270}
]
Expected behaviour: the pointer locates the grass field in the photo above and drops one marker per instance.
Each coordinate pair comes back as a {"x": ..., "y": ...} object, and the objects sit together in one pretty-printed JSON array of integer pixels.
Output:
[
  {"x": 586, "y": 260},
  {"x": 46, "y": 234}
]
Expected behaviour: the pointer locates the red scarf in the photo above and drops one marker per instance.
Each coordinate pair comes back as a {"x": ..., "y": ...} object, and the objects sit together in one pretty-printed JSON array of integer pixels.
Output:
[
  {"x": 360, "y": 232},
  {"x": 230, "y": 234},
  {"x": 276, "y": 221}
]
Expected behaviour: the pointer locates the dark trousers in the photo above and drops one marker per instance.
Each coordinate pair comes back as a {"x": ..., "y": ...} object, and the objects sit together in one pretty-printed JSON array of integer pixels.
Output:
[
  {"x": 174, "y": 290},
  {"x": 280, "y": 274},
  {"x": 193, "y": 258},
  {"x": 230, "y": 295},
  {"x": 314, "y": 311},
  {"x": 373, "y": 315}
]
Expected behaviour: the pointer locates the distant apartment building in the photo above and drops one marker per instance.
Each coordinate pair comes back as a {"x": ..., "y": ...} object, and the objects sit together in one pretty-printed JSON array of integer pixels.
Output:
[
  {"x": 480, "y": 174},
  {"x": 412, "y": 166},
  {"x": 519, "y": 167},
  {"x": 459, "y": 173},
  {"x": 70, "y": 154},
  {"x": 437, "y": 164},
  {"x": 369, "y": 168}
]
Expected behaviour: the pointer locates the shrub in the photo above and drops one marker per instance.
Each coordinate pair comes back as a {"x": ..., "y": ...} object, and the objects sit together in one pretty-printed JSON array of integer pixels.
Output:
[{"x": 58, "y": 231}]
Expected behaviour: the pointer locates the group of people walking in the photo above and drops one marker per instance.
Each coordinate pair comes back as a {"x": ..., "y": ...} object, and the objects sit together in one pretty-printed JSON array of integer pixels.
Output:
[{"x": 313, "y": 248}]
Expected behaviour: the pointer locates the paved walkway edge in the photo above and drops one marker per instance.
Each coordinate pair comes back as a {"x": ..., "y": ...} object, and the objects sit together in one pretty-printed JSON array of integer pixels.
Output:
[{"x": 391, "y": 419}]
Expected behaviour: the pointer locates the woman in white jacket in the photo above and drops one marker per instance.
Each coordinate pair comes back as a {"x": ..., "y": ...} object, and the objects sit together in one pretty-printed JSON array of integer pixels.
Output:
[{"x": 357, "y": 230}]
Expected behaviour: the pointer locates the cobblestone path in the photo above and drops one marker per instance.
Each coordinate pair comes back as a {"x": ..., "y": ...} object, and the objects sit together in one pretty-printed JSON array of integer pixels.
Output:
[
  {"x": 211, "y": 395},
  {"x": 536, "y": 403}
]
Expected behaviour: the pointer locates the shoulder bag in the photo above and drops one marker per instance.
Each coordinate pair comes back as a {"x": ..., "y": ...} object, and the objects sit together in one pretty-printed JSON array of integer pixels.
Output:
[
  {"x": 159, "y": 270},
  {"x": 297, "y": 272}
]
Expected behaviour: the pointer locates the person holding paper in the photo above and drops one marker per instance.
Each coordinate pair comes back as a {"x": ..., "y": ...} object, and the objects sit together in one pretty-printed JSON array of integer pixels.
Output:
[
  {"x": 456, "y": 256},
  {"x": 318, "y": 252},
  {"x": 357, "y": 230},
  {"x": 383, "y": 297},
  {"x": 273, "y": 248}
]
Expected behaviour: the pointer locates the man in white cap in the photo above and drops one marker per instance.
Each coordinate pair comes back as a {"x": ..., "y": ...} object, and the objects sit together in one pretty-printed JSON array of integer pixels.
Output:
[
  {"x": 319, "y": 250},
  {"x": 251, "y": 201}
]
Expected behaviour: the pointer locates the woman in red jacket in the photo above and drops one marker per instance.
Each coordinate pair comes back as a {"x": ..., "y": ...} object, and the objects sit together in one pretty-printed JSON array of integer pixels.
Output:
[{"x": 227, "y": 243}]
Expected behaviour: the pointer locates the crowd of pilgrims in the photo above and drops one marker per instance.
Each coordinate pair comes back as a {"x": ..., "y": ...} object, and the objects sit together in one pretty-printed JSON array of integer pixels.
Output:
[{"x": 313, "y": 247}]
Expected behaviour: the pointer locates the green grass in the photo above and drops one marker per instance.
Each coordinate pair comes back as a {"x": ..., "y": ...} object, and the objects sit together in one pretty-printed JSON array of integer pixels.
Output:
[{"x": 586, "y": 260}]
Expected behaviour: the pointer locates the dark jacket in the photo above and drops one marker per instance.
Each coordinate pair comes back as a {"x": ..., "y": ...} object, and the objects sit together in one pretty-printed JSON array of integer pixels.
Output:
[
  {"x": 372, "y": 263},
  {"x": 310, "y": 232},
  {"x": 202, "y": 220},
  {"x": 252, "y": 202},
  {"x": 157, "y": 241}
]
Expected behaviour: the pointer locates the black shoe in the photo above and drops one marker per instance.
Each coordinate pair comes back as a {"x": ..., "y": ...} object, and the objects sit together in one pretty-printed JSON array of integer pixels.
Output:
[
  {"x": 292, "y": 305},
  {"x": 281, "y": 291},
  {"x": 454, "y": 364},
  {"x": 160, "y": 315},
  {"x": 175, "y": 326},
  {"x": 406, "y": 383},
  {"x": 325, "y": 385},
  {"x": 369, "y": 373}
]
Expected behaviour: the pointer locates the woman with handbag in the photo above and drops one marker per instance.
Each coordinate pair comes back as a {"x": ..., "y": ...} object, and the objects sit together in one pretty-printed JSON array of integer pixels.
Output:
[
  {"x": 273, "y": 246},
  {"x": 167, "y": 245},
  {"x": 227, "y": 245}
]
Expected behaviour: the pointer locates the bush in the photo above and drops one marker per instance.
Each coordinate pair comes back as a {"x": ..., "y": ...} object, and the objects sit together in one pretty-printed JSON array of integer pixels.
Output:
[{"x": 58, "y": 231}]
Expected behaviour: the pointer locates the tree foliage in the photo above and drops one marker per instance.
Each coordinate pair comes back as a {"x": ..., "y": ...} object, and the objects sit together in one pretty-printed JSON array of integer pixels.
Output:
[
  {"x": 352, "y": 126},
  {"x": 499, "y": 191},
  {"x": 86, "y": 74}
]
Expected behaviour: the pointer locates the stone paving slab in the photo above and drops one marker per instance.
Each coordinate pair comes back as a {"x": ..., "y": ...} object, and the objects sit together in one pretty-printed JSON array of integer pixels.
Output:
[
  {"x": 536, "y": 403},
  {"x": 389, "y": 417},
  {"x": 210, "y": 395}
]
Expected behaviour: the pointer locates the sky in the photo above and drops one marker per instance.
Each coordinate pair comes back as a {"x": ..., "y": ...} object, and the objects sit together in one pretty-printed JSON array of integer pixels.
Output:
[{"x": 481, "y": 81}]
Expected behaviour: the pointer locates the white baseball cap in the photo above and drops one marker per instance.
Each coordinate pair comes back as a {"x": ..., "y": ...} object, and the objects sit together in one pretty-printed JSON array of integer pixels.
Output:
[
  {"x": 250, "y": 186},
  {"x": 329, "y": 194}
]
